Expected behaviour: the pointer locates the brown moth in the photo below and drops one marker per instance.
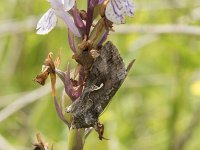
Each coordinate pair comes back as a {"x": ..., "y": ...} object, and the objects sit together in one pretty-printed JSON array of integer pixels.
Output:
[{"x": 104, "y": 79}]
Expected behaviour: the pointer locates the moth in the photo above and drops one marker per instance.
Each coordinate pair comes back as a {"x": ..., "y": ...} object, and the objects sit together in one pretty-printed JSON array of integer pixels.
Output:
[{"x": 104, "y": 79}]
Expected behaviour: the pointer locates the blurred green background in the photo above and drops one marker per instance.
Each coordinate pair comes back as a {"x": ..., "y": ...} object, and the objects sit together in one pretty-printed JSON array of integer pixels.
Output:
[{"x": 158, "y": 106}]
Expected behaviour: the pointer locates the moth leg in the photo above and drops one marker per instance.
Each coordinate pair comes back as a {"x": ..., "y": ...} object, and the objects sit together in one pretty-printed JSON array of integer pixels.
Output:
[
  {"x": 68, "y": 109},
  {"x": 94, "y": 53},
  {"x": 95, "y": 87},
  {"x": 99, "y": 128}
]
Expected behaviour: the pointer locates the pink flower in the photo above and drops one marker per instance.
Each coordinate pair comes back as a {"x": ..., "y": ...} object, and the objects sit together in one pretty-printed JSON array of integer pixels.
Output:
[{"x": 59, "y": 8}]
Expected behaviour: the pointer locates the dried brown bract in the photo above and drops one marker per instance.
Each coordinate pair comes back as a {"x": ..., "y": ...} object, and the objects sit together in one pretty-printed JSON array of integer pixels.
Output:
[
  {"x": 48, "y": 68},
  {"x": 40, "y": 145}
]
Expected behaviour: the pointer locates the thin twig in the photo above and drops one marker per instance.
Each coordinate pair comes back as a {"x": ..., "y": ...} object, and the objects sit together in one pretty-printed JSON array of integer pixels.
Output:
[
  {"x": 158, "y": 29},
  {"x": 164, "y": 5},
  {"x": 14, "y": 51},
  {"x": 7, "y": 99},
  {"x": 14, "y": 27},
  {"x": 25, "y": 100},
  {"x": 30, "y": 97},
  {"x": 143, "y": 41},
  {"x": 4, "y": 144}
]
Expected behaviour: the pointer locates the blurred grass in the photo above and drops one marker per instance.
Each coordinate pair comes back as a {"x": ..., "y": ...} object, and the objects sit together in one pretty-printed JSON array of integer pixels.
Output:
[{"x": 155, "y": 107}]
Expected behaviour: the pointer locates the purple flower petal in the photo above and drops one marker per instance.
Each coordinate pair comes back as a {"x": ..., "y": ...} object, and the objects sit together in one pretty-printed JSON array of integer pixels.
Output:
[
  {"x": 59, "y": 112},
  {"x": 90, "y": 11},
  {"x": 78, "y": 21},
  {"x": 69, "y": 89},
  {"x": 71, "y": 41},
  {"x": 101, "y": 1},
  {"x": 103, "y": 39}
]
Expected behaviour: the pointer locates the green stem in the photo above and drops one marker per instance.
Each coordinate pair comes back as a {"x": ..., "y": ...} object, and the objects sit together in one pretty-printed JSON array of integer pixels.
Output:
[{"x": 75, "y": 139}]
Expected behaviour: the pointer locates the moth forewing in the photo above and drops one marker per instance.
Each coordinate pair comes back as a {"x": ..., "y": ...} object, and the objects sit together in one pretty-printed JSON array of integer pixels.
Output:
[{"x": 104, "y": 79}]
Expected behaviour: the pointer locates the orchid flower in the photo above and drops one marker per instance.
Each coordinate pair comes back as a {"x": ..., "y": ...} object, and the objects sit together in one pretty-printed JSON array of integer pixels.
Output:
[
  {"x": 58, "y": 8},
  {"x": 116, "y": 10}
]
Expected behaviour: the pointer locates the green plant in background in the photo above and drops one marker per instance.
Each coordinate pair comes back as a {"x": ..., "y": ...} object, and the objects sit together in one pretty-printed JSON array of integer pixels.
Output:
[
  {"x": 100, "y": 70},
  {"x": 157, "y": 106}
]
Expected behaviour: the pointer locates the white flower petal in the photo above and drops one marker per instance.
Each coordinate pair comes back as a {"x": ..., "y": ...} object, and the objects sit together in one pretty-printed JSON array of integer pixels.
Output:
[
  {"x": 62, "y": 4},
  {"x": 65, "y": 16},
  {"x": 114, "y": 14},
  {"x": 68, "y": 4},
  {"x": 116, "y": 10},
  {"x": 47, "y": 22},
  {"x": 59, "y": 9},
  {"x": 57, "y": 4},
  {"x": 129, "y": 8}
]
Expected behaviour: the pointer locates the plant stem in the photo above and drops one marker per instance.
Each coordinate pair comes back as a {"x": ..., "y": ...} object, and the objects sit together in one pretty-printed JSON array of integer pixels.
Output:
[{"x": 75, "y": 139}]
